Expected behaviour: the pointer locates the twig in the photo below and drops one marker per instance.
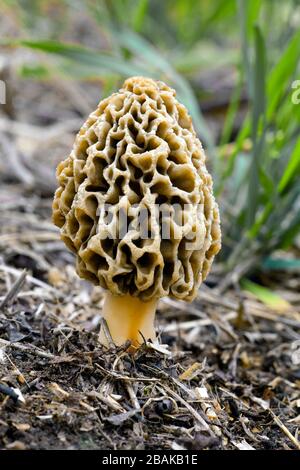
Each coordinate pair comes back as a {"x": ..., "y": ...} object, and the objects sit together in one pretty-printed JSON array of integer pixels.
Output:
[
  {"x": 115, "y": 375},
  {"x": 29, "y": 236},
  {"x": 106, "y": 332},
  {"x": 107, "y": 400},
  {"x": 31, "y": 279},
  {"x": 132, "y": 396},
  {"x": 237, "y": 273},
  {"x": 130, "y": 390},
  {"x": 184, "y": 307},
  {"x": 192, "y": 410},
  {"x": 27, "y": 349},
  {"x": 13, "y": 291},
  {"x": 233, "y": 363},
  {"x": 39, "y": 133},
  {"x": 16, "y": 368},
  {"x": 187, "y": 325},
  {"x": 207, "y": 406},
  {"x": 285, "y": 430}
]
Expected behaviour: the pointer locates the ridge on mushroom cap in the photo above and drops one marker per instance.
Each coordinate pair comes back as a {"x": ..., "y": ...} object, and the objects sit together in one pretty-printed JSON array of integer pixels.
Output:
[
  {"x": 139, "y": 84},
  {"x": 138, "y": 149}
]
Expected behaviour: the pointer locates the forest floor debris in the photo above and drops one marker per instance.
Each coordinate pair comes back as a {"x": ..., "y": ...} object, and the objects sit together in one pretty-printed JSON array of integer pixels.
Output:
[{"x": 224, "y": 377}]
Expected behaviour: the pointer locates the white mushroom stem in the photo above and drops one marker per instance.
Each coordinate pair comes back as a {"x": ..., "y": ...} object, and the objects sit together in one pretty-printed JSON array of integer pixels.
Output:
[{"x": 128, "y": 318}]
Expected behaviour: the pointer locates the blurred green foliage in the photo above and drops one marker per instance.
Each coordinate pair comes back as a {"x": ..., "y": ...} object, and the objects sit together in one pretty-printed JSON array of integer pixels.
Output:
[{"x": 257, "y": 171}]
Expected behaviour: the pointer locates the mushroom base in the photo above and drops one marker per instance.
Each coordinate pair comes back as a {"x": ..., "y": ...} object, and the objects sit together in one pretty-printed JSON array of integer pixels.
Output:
[{"x": 128, "y": 318}]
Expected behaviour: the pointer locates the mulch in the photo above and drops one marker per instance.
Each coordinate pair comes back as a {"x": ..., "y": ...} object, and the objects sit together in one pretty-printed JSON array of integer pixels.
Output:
[{"x": 225, "y": 376}]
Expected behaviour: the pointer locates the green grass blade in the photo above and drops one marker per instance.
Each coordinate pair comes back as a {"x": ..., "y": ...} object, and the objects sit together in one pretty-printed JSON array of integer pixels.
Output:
[
  {"x": 231, "y": 113},
  {"x": 258, "y": 133},
  {"x": 292, "y": 169},
  {"x": 88, "y": 57},
  {"x": 139, "y": 15},
  {"x": 281, "y": 74},
  {"x": 265, "y": 295}
]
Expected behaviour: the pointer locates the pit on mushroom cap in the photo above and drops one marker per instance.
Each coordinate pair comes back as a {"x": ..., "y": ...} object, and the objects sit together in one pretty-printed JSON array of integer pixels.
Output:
[{"x": 138, "y": 153}]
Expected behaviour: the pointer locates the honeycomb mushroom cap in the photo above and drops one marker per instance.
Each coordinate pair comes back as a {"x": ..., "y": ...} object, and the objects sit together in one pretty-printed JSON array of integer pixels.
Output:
[{"x": 138, "y": 149}]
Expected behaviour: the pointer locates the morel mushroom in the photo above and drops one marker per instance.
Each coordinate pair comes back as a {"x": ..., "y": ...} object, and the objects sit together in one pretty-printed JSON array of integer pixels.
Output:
[{"x": 138, "y": 150}]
